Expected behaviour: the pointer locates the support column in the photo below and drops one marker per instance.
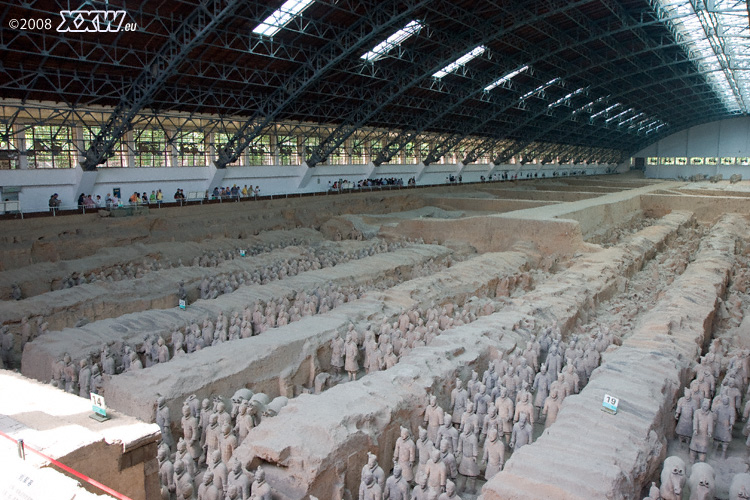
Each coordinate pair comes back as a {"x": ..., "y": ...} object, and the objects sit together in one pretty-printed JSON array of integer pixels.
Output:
[
  {"x": 23, "y": 159},
  {"x": 215, "y": 177},
  {"x": 420, "y": 171},
  {"x": 172, "y": 156},
  {"x": 210, "y": 147},
  {"x": 306, "y": 177},
  {"x": 370, "y": 170},
  {"x": 85, "y": 180},
  {"x": 129, "y": 139},
  {"x": 274, "y": 146},
  {"x": 367, "y": 156},
  {"x": 78, "y": 138}
]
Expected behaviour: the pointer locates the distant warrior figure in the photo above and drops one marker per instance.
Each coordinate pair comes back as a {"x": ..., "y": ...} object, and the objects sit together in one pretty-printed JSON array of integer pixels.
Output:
[
  {"x": 219, "y": 468},
  {"x": 541, "y": 386},
  {"x": 448, "y": 433},
  {"x": 162, "y": 351},
  {"x": 703, "y": 430},
  {"x": 724, "y": 416},
  {"x": 96, "y": 380},
  {"x": 684, "y": 416},
  {"x": 70, "y": 375},
  {"x": 207, "y": 489},
  {"x": 183, "y": 456},
  {"x": 7, "y": 346},
  {"x": 25, "y": 331},
  {"x": 337, "y": 354},
  {"x": 181, "y": 292},
  {"x": 396, "y": 486},
  {"x": 84, "y": 379},
  {"x": 522, "y": 433},
  {"x": 459, "y": 397},
  {"x": 404, "y": 455},
  {"x": 261, "y": 490},
  {"x": 468, "y": 450},
  {"x": 15, "y": 292},
  {"x": 372, "y": 467},
  {"x": 420, "y": 491},
  {"x": 505, "y": 413},
  {"x": 552, "y": 408},
  {"x": 424, "y": 449},
  {"x": 108, "y": 361},
  {"x": 433, "y": 417},
  {"x": 494, "y": 454},
  {"x": 239, "y": 480},
  {"x": 437, "y": 474},
  {"x": 164, "y": 422},
  {"x": 228, "y": 442},
  {"x": 166, "y": 473},
  {"x": 524, "y": 407},
  {"x": 191, "y": 433},
  {"x": 449, "y": 459},
  {"x": 352, "y": 353},
  {"x": 450, "y": 492},
  {"x": 135, "y": 362},
  {"x": 183, "y": 482}
]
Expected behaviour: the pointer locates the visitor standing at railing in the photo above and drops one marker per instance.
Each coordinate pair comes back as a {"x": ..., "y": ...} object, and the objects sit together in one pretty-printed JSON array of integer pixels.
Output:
[{"x": 54, "y": 203}]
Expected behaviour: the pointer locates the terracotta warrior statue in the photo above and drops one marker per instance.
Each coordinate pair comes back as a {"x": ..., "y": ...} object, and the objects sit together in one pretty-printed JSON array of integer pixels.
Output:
[
  {"x": 703, "y": 430},
  {"x": 404, "y": 455}
]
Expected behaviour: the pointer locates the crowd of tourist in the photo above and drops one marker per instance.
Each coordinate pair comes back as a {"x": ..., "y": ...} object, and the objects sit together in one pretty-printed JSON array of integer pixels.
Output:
[
  {"x": 93, "y": 202},
  {"x": 234, "y": 192},
  {"x": 342, "y": 184}
]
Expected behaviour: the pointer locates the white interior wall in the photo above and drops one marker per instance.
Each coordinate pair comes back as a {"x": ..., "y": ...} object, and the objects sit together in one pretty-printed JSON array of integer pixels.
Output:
[
  {"x": 37, "y": 185},
  {"x": 725, "y": 138}
]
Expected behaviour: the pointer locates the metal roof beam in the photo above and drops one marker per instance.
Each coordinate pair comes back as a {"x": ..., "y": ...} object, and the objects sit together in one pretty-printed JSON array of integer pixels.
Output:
[{"x": 202, "y": 21}]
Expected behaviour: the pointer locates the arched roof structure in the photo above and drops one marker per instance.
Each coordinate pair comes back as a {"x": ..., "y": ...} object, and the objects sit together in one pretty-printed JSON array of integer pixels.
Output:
[{"x": 556, "y": 80}]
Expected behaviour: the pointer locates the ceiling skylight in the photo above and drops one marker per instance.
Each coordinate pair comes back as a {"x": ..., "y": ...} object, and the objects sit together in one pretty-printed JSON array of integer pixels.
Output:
[
  {"x": 392, "y": 41},
  {"x": 461, "y": 61},
  {"x": 605, "y": 110},
  {"x": 567, "y": 97},
  {"x": 716, "y": 36},
  {"x": 589, "y": 105},
  {"x": 505, "y": 78},
  {"x": 619, "y": 115},
  {"x": 634, "y": 117},
  {"x": 281, "y": 17},
  {"x": 540, "y": 88}
]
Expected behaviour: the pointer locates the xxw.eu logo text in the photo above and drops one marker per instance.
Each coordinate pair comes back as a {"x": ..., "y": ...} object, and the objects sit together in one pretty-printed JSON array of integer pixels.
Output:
[{"x": 94, "y": 21}]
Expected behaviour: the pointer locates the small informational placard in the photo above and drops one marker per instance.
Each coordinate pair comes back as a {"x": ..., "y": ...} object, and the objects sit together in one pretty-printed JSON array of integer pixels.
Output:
[
  {"x": 609, "y": 404},
  {"x": 242, "y": 253},
  {"x": 183, "y": 305},
  {"x": 20, "y": 480},
  {"x": 99, "y": 407}
]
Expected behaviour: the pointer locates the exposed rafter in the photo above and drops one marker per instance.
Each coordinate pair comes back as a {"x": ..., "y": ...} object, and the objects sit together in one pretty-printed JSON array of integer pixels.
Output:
[
  {"x": 196, "y": 27},
  {"x": 553, "y": 79}
]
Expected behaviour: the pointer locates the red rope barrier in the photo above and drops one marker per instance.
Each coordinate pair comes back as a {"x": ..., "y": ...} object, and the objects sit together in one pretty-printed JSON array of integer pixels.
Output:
[{"x": 64, "y": 467}]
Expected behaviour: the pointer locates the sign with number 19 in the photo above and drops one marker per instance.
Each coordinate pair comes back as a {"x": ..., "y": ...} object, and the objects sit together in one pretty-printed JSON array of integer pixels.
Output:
[{"x": 610, "y": 404}]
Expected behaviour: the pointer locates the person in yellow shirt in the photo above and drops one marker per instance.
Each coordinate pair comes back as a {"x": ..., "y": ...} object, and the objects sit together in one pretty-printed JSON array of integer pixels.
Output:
[{"x": 244, "y": 191}]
